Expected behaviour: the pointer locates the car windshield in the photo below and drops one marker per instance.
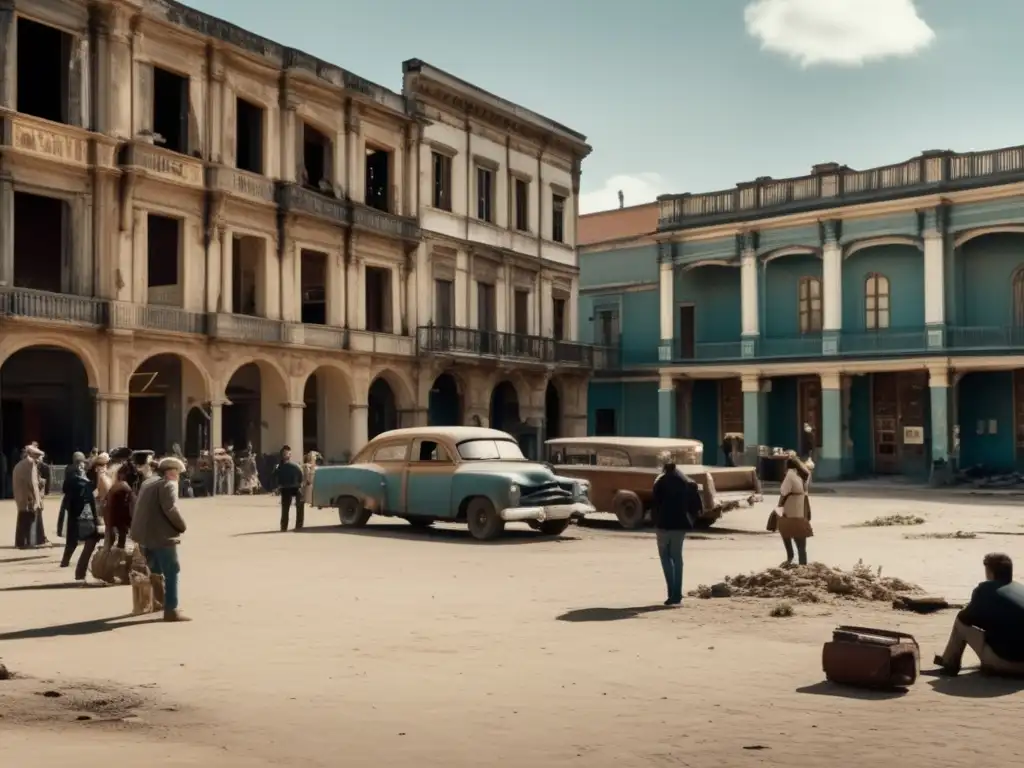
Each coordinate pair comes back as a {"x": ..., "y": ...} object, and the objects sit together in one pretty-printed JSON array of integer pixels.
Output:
[{"x": 489, "y": 450}]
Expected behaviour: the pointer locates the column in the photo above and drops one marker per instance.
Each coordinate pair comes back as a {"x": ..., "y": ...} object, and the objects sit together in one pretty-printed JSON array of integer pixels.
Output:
[
  {"x": 6, "y": 228},
  {"x": 293, "y": 434},
  {"x": 412, "y": 299},
  {"x": 397, "y": 294},
  {"x": 227, "y": 258},
  {"x": 547, "y": 308},
  {"x": 117, "y": 420},
  {"x": 573, "y": 320},
  {"x": 9, "y": 64},
  {"x": 217, "y": 423},
  {"x": 831, "y": 287},
  {"x": 360, "y": 294},
  {"x": 290, "y": 126},
  {"x": 100, "y": 433},
  {"x": 353, "y": 141},
  {"x": 666, "y": 274},
  {"x": 352, "y": 292},
  {"x": 755, "y": 416},
  {"x": 335, "y": 289},
  {"x": 666, "y": 406},
  {"x": 116, "y": 88},
  {"x": 358, "y": 419},
  {"x": 750, "y": 311},
  {"x": 938, "y": 386},
  {"x": 935, "y": 277},
  {"x": 830, "y": 462}
]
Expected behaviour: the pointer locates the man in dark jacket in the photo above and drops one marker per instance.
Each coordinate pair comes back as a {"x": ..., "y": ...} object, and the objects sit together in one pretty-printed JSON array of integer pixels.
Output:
[
  {"x": 288, "y": 475},
  {"x": 992, "y": 624},
  {"x": 79, "y": 504},
  {"x": 676, "y": 505}
]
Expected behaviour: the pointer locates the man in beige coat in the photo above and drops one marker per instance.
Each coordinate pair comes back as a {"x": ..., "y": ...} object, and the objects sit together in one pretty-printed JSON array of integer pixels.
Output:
[
  {"x": 157, "y": 526},
  {"x": 28, "y": 496}
]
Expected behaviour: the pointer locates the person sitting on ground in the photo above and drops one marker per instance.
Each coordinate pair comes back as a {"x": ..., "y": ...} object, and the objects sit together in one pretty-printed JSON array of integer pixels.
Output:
[{"x": 992, "y": 624}]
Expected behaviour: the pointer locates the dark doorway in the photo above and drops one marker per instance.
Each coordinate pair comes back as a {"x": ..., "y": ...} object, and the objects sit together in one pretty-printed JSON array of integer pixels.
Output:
[
  {"x": 44, "y": 71},
  {"x": 248, "y": 137},
  {"x": 552, "y": 412},
  {"x": 155, "y": 418},
  {"x": 243, "y": 419},
  {"x": 45, "y": 398},
  {"x": 378, "y": 173},
  {"x": 41, "y": 241},
  {"x": 311, "y": 414},
  {"x": 378, "y": 300},
  {"x": 382, "y": 410},
  {"x": 170, "y": 110},
  {"x": 197, "y": 432},
  {"x": 685, "y": 345},
  {"x": 505, "y": 408},
  {"x": 163, "y": 252},
  {"x": 316, "y": 158},
  {"x": 445, "y": 408},
  {"x": 313, "y": 278}
]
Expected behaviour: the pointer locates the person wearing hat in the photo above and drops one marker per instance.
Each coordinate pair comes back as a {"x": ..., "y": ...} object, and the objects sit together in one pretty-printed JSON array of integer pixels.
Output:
[
  {"x": 143, "y": 467},
  {"x": 77, "y": 459},
  {"x": 157, "y": 526},
  {"x": 289, "y": 477},
  {"x": 28, "y": 495},
  {"x": 793, "y": 514}
]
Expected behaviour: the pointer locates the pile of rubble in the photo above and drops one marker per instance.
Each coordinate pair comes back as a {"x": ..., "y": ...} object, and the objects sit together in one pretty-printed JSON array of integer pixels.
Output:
[{"x": 814, "y": 583}]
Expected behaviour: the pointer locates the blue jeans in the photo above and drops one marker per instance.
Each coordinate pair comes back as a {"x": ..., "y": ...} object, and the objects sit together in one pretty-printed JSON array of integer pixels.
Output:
[
  {"x": 670, "y": 549},
  {"x": 164, "y": 562}
]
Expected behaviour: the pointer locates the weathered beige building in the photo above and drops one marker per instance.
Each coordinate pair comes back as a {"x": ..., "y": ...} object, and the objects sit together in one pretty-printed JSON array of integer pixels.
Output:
[{"x": 206, "y": 237}]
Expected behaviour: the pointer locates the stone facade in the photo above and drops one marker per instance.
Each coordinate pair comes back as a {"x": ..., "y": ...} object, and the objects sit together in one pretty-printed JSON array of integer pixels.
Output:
[{"x": 331, "y": 178}]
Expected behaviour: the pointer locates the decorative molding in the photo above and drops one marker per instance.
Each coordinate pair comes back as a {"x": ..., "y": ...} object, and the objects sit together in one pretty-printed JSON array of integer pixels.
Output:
[
  {"x": 873, "y": 242},
  {"x": 831, "y": 232},
  {"x": 965, "y": 237}
]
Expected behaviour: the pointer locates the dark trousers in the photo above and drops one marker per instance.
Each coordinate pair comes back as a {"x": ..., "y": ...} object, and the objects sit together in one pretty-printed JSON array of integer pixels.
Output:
[
  {"x": 287, "y": 495},
  {"x": 23, "y": 528},
  {"x": 71, "y": 543},
  {"x": 670, "y": 550},
  {"x": 801, "y": 549}
]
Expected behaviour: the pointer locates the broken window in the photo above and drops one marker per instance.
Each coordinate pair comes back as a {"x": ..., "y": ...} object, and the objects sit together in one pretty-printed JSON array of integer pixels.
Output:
[
  {"x": 378, "y": 178},
  {"x": 378, "y": 300},
  {"x": 42, "y": 242},
  {"x": 444, "y": 303},
  {"x": 316, "y": 160},
  {"x": 485, "y": 194},
  {"x": 249, "y": 137},
  {"x": 163, "y": 243},
  {"x": 44, "y": 67},
  {"x": 170, "y": 110},
  {"x": 442, "y": 165},
  {"x": 522, "y": 203},
  {"x": 558, "y": 218},
  {"x": 314, "y": 284}
]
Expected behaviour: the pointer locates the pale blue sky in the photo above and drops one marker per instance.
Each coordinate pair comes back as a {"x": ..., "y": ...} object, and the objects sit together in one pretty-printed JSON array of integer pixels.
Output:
[{"x": 682, "y": 95}]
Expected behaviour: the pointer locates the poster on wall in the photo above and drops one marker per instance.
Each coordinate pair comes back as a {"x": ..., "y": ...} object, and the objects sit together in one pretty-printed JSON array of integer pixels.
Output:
[{"x": 913, "y": 435}]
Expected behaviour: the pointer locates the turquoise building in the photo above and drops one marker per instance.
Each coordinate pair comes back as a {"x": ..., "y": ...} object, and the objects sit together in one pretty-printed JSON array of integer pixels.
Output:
[{"x": 883, "y": 307}]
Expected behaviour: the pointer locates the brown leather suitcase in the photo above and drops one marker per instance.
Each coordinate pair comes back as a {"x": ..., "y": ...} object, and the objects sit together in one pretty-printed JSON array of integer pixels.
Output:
[{"x": 871, "y": 658}]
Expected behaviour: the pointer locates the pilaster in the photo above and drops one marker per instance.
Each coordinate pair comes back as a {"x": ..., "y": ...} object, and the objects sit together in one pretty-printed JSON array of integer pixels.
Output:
[
  {"x": 755, "y": 412},
  {"x": 117, "y": 420},
  {"x": 217, "y": 423},
  {"x": 293, "y": 435},
  {"x": 666, "y": 407},
  {"x": 665, "y": 299},
  {"x": 6, "y": 226},
  {"x": 359, "y": 424},
  {"x": 831, "y": 461},
  {"x": 750, "y": 311},
  {"x": 933, "y": 235},
  {"x": 832, "y": 286},
  {"x": 938, "y": 387},
  {"x": 8, "y": 52}
]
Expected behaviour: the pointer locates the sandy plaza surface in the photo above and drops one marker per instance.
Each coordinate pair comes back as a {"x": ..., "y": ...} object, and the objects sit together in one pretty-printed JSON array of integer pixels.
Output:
[{"x": 390, "y": 646}]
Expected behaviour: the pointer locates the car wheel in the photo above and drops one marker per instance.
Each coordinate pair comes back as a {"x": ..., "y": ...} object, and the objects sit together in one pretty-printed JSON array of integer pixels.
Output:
[
  {"x": 351, "y": 512},
  {"x": 482, "y": 518},
  {"x": 553, "y": 527},
  {"x": 420, "y": 522},
  {"x": 628, "y": 508}
]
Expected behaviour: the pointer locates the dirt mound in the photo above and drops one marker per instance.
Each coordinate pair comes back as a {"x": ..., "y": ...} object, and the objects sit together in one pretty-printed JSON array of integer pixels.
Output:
[
  {"x": 24, "y": 700},
  {"x": 814, "y": 583}
]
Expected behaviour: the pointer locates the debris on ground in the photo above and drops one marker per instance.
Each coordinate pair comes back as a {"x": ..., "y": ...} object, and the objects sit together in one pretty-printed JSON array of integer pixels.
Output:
[
  {"x": 922, "y": 604},
  {"x": 782, "y": 611},
  {"x": 814, "y": 583},
  {"x": 5, "y": 674},
  {"x": 980, "y": 476},
  {"x": 886, "y": 521},
  {"x": 954, "y": 535}
]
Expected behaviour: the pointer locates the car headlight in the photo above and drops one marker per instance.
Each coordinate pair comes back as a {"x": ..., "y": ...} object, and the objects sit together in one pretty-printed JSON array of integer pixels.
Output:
[{"x": 513, "y": 495}]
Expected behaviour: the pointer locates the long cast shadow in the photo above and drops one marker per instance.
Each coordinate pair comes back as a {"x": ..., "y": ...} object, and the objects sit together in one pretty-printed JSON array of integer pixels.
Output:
[
  {"x": 439, "y": 535},
  {"x": 78, "y": 628},
  {"x": 25, "y": 559},
  {"x": 828, "y": 688},
  {"x": 43, "y": 587},
  {"x": 977, "y": 685},
  {"x": 583, "y": 615}
]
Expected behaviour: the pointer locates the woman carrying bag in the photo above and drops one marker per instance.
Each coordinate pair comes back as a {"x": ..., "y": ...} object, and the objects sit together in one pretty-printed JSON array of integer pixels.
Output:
[{"x": 792, "y": 517}]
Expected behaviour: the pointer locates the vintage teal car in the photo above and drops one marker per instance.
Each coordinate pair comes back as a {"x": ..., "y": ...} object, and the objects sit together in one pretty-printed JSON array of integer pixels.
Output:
[{"x": 459, "y": 474}]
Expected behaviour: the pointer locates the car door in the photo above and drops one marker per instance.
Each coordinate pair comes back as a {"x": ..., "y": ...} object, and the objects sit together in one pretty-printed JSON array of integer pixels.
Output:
[
  {"x": 392, "y": 458},
  {"x": 428, "y": 480}
]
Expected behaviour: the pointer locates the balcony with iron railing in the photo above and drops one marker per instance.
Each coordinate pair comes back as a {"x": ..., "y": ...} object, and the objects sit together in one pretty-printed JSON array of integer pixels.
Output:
[
  {"x": 472, "y": 342},
  {"x": 831, "y": 184}
]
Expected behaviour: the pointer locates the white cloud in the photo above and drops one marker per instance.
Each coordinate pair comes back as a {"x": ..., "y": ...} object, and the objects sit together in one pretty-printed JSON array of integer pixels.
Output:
[
  {"x": 636, "y": 189},
  {"x": 839, "y": 32}
]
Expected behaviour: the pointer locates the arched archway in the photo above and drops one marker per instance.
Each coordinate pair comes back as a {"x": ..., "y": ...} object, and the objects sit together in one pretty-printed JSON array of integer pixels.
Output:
[
  {"x": 505, "y": 407},
  {"x": 382, "y": 408},
  {"x": 552, "y": 412},
  {"x": 797, "y": 276},
  {"x": 163, "y": 391},
  {"x": 445, "y": 403},
  {"x": 45, "y": 398},
  {"x": 257, "y": 391},
  {"x": 326, "y": 420},
  {"x": 197, "y": 432},
  {"x": 994, "y": 258}
]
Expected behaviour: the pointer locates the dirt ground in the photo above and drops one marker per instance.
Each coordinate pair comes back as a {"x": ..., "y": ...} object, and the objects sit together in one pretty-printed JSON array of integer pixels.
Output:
[{"x": 394, "y": 647}]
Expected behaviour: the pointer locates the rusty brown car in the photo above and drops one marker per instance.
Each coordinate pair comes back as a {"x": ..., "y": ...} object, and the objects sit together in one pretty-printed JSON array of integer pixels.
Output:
[{"x": 621, "y": 473}]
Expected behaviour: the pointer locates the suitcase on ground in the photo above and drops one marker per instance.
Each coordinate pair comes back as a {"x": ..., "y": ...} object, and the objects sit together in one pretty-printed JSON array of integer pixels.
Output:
[{"x": 871, "y": 658}]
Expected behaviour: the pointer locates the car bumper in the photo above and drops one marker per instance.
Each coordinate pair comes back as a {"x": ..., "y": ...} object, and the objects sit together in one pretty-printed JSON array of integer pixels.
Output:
[{"x": 540, "y": 514}]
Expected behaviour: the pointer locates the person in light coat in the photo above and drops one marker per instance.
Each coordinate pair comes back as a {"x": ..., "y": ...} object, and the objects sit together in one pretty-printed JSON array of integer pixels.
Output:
[
  {"x": 794, "y": 509},
  {"x": 28, "y": 496},
  {"x": 157, "y": 526}
]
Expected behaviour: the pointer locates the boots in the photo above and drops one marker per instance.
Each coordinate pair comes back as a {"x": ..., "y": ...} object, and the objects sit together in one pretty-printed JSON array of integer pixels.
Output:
[{"x": 158, "y": 591}]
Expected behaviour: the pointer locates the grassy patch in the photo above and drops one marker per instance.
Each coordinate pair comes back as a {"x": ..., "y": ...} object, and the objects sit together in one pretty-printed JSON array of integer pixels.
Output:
[
  {"x": 954, "y": 535},
  {"x": 887, "y": 521},
  {"x": 782, "y": 611}
]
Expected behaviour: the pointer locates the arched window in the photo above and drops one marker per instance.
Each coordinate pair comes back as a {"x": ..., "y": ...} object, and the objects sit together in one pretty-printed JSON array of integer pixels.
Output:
[
  {"x": 876, "y": 302},
  {"x": 1018, "y": 298},
  {"x": 810, "y": 305}
]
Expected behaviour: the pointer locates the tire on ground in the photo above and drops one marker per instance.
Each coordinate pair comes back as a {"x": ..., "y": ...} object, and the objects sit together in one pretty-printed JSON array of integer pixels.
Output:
[
  {"x": 351, "y": 512},
  {"x": 629, "y": 509},
  {"x": 483, "y": 520}
]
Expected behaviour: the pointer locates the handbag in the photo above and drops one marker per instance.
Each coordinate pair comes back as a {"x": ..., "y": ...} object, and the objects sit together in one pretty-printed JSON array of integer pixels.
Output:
[{"x": 773, "y": 522}]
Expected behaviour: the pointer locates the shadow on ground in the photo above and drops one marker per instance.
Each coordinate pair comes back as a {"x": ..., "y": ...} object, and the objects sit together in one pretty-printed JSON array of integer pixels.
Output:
[
  {"x": 583, "y": 615},
  {"x": 25, "y": 559},
  {"x": 79, "y": 628},
  {"x": 976, "y": 685},
  {"x": 43, "y": 587},
  {"x": 828, "y": 688},
  {"x": 441, "y": 535},
  {"x": 609, "y": 523}
]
